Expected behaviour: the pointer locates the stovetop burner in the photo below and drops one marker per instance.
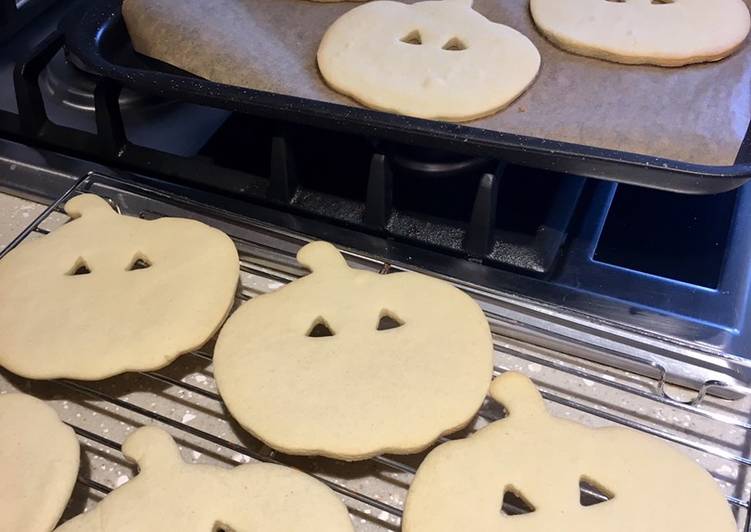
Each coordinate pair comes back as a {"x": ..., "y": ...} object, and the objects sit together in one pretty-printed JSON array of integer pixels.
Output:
[
  {"x": 72, "y": 87},
  {"x": 426, "y": 162}
]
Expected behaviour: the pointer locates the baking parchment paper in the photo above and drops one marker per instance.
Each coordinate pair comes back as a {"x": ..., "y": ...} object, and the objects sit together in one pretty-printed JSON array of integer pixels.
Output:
[{"x": 696, "y": 114}]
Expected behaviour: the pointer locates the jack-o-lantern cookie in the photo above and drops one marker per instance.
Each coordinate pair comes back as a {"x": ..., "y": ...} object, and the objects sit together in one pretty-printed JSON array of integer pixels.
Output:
[
  {"x": 437, "y": 59},
  {"x": 106, "y": 293},
  {"x": 644, "y": 484},
  {"x": 657, "y": 32},
  {"x": 348, "y": 364},
  {"x": 39, "y": 458},
  {"x": 168, "y": 494}
]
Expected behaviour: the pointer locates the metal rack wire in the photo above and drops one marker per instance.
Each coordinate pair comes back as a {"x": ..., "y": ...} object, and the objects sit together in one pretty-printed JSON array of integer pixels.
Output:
[{"x": 269, "y": 253}]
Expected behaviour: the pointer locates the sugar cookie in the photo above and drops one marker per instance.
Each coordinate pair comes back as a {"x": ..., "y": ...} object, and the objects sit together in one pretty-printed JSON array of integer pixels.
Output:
[
  {"x": 39, "y": 458},
  {"x": 437, "y": 59},
  {"x": 105, "y": 293},
  {"x": 169, "y": 494},
  {"x": 542, "y": 460},
  {"x": 312, "y": 368},
  {"x": 657, "y": 32}
]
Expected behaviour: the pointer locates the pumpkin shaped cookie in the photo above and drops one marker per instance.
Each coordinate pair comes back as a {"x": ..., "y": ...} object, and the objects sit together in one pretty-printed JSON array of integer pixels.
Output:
[
  {"x": 437, "y": 59},
  {"x": 105, "y": 293},
  {"x": 349, "y": 364},
  {"x": 542, "y": 461},
  {"x": 168, "y": 494},
  {"x": 657, "y": 32},
  {"x": 39, "y": 458}
]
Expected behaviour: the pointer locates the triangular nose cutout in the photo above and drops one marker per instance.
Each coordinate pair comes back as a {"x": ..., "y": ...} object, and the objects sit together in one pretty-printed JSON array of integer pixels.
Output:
[
  {"x": 592, "y": 493},
  {"x": 320, "y": 329},
  {"x": 515, "y": 503}
]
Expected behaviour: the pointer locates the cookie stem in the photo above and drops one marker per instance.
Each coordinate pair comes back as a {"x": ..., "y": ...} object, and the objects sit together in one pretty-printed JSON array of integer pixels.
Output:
[
  {"x": 87, "y": 204},
  {"x": 518, "y": 395},
  {"x": 321, "y": 256},
  {"x": 151, "y": 448}
]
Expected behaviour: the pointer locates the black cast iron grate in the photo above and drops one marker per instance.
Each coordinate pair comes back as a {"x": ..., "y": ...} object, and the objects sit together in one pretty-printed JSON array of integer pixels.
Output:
[
  {"x": 477, "y": 208},
  {"x": 15, "y": 14}
]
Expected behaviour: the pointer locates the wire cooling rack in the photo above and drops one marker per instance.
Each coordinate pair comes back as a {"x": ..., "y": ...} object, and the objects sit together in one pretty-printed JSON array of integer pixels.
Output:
[{"x": 183, "y": 396}]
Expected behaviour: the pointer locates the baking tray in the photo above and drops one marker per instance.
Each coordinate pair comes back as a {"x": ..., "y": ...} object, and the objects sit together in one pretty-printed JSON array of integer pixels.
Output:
[{"x": 97, "y": 40}]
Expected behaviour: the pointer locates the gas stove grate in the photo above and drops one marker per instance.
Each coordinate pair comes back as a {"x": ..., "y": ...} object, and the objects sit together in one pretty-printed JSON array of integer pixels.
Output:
[
  {"x": 461, "y": 206},
  {"x": 716, "y": 432},
  {"x": 15, "y": 14}
]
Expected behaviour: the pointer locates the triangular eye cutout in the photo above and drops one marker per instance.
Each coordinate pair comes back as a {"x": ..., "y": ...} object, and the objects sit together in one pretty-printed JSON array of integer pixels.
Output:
[
  {"x": 592, "y": 493},
  {"x": 79, "y": 268},
  {"x": 412, "y": 37},
  {"x": 388, "y": 321},
  {"x": 320, "y": 329},
  {"x": 139, "y": 262},
  {"x": 454, "y": 45},
  {"x": 515, "y": 503}
]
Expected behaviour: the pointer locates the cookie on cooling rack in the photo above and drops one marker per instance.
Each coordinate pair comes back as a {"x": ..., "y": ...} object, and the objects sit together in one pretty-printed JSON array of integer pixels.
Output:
[
  {"x": 39, "y": 458},
  {"x": 544, "y": 462},
  {"x": 106, "y": 293},
  {"x": 348, "y": 364},
  {"x": 168, "y": 494}
]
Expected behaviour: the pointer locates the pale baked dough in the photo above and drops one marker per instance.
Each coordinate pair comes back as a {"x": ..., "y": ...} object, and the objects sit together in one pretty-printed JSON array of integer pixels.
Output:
[
  {"x": 362, "y": 391},
  {"x": 654, "y": 488},
  {"x": 645, "y": 31},
  {"x": 171, "y": 495},
  {"x": 363, "y": 56},
  {"x": 39, "y": 458},
  {"x": 112, "y": 320}
]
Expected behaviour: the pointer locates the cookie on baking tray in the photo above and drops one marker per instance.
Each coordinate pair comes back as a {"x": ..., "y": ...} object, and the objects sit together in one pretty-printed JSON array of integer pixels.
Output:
[
  {"x": 543, "y": 461},
  {"x": 39, "y": 458},
  {"x": 168, "y": 494},
  {"x": 436, "y": 59},
  {"x": 106, "y": 293},
  {"x": 349, "y": 364},
  {"x": 657, "y": 32}
]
